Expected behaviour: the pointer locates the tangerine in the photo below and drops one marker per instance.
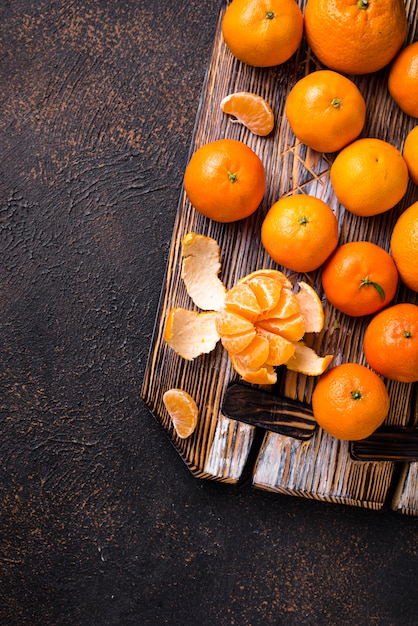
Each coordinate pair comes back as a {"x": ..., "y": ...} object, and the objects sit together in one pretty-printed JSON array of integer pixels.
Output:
[
  {"x": 251, "y": 110},
  {"x": 355, "y": 37},
  {"x": 359, "y": 278},
  {"x": 404, "y": 246},
  {"x": 391, "y": 342},
  {"x": 369, "y": 176},
  {"x": 403, "y": 80},
  {"x": 263, "y": 33},
  {"x": 225, "y": 180},
  {"x": 350, "y": 401},
  {"x": 410, "y": 154},
  {"x": 183, "y": 411},
  {"x": 300, "y": 232},
  {"x": 325, "y": 110}
]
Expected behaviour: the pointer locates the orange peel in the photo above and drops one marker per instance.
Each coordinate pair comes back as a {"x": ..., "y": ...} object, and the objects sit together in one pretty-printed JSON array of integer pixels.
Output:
[
  {"x": 191, "y": 334},
  {"x": 200, "y": 268},
  {"x": 306, "y": 361}
]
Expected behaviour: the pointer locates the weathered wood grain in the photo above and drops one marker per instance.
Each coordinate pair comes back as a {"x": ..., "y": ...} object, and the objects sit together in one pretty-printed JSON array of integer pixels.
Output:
[{"x": 320, "y": 468}]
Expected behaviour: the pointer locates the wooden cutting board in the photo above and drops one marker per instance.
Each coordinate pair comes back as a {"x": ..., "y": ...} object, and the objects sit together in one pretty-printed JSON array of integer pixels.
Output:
[{"x": 220, "y": 448}]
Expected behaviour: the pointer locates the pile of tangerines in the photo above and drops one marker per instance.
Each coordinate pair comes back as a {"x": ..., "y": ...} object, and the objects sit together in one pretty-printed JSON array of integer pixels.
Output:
[{"x": 225, "y": 181}]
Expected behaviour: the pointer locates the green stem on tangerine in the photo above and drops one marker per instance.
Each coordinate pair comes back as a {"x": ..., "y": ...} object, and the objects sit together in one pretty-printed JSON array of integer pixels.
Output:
[
  {"x": 269, "y": 15},
  {"x": 363, "y": 5},
  {"x": 303, "y": 220},
  {"x": 336, "y": 103},
  {"x": 366, "y": 281},
  {"x": 356, "y": 395},
  {"x": 232, "y": 177},
  {"x": 407, "y": 334}
]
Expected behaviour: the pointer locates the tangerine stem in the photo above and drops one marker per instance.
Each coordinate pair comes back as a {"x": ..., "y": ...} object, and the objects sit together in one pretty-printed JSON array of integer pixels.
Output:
[
  {"x": 362, "y": 4},
  {"x": 269, "y": 15},
  {"x": 356, "y": 395},
  {"x": 407, "y": 334},
  {"x": 366, "y": 281},
  {"x": 336, "y": 103},
  {"x": 232, "y": 177}
]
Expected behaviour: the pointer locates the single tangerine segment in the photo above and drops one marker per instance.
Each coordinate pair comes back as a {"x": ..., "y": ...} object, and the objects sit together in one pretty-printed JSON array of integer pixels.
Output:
[
  {"x": 265, "y": 375},
  {"x": 281, "y": 348},
  {"x": 241, "y": 299},
  {"x": 183, "y": 411},
  {"x": 200, "y": 268},
  {"x": 256, "y": 353},
  {"x": 251, "y": 110},
  {"x": 350, "y": 401},
  {"x": 291, "y": 328},
  {"x": 267, "y": 291}
]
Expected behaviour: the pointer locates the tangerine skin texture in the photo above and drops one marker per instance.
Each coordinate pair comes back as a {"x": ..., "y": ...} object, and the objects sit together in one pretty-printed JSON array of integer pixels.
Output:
[
  {"x": 403, "y": 80},
  {"x": 348, "y": 266},
  {"x": 410, "y": 154},
  {"x": 315, "y": 120},
  {"x": 344, "y": 416},
  {"x": 352, "y": 40},
  {"x": 370, "y": 176},
  {"x": 208, "y": 184},
  {"x": 258, "y": 40},
  {"x": 300, "y": 232},
  {"x": 391, "y": 343},
  {"x": 404, "y": 245}
]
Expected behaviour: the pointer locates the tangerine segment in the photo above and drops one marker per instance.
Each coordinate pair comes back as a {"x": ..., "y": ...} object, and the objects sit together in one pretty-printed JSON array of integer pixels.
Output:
[
  {"x": 391, "y": 342},
  {"x": 191, "y": 334},
  {"x": 251, "y": 110},
  {"x": 266, "y": 290},
  {"x": 350, "y": 401},
  {"x": 265, "y": 375},
  {"x": 200, "y": 268},
  {"x": 256, "y": 353},
  {"x": 229, "y": 323},
  {"x": 306, "y": 361},
  {"x": 355, "y": 37},
  {"x": 237, "y": 343},
  {"x": 241, "y": 299},
  {"x": 291, "y": 328},
  {"x": 183, "y": 411},
  {"x": 281, "y": 349}
]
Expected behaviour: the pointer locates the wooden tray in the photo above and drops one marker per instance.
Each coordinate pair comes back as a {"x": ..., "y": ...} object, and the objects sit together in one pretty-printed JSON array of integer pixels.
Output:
[{"x": 219, "y": 449}]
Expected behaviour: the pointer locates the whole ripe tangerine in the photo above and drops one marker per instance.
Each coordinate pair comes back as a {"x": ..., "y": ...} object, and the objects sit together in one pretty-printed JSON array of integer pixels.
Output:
[
  {"x": 391, "y": 342},
  {"x": 410, "y": 154},
  {"x": 359, "y": 278},
  {"x": 325, "y": 110},
  {"x": 403, "y": 80},
  {"x": 263, "y": 33},
  {"x": 350, "y": 401},
  {"x": 357, "y": 37},
  {"x": 404, "y": 246},
  {"x": 369, "y": 176},
  {"x": 225, "y": 180},
  {"x": 300, "y": 232}
]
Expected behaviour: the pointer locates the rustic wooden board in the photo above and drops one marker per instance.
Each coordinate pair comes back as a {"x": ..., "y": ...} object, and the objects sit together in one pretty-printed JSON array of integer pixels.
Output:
[{"x": 219, "y": 449}]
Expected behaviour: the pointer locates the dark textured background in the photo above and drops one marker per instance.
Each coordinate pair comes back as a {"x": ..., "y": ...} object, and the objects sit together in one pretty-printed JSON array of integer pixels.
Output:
[{"x": 101, "y": 524}]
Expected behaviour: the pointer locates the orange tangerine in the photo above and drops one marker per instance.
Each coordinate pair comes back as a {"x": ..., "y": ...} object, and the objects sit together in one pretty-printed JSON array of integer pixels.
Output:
[
  {"x": 404, "y": 246},
  {"x": 403, "y": 80}
]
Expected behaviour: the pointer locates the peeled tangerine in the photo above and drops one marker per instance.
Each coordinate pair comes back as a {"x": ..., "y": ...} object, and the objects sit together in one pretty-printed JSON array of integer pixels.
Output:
[{"x": 260, "y": 321}]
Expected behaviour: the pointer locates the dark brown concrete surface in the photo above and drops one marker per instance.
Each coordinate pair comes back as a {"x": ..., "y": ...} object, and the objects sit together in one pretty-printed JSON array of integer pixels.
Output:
[{"x": 101, "y": 524}]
